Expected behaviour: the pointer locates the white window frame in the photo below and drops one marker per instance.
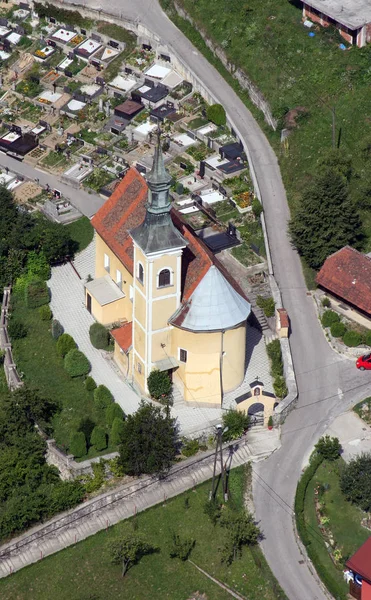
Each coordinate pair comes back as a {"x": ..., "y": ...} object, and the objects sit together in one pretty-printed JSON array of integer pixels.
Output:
[
  {"x": 138, "y": 272},
  {"x": 179, "y": 355},
  {"x": 119, "y": 278},
  {"x": 158, "y": 278},
  {"x": 139, "y": 367},
  {"x": 107, "y": 262}
]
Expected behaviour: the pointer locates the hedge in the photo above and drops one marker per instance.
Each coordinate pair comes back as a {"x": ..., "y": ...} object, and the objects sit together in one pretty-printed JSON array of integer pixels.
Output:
[
  {"x": 65, "y": 343},
  {"x": 71, "y": 17},
  {"x": 102, "y": 397},
  {"x": 338, "y": 329},
  {"x": 352, "y": 339},
  {"x": 98, "y": 438},
  {"x": 113, "y": 411},
  {"x": 329, "y": 317},
  {"x": 330, "y": 583},
  {"x": 57, "y": 329},
  {"x": 117, "y": 431},
  {"x": 99, "y": 336},
  {"x": 76, "y": 363},
  {"x": 36, "y": 294},
  {"x": 78, "y": 444}
]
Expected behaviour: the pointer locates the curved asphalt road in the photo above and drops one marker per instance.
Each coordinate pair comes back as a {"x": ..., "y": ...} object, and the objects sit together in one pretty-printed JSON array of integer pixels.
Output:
[{"x": 327, "y": 383}]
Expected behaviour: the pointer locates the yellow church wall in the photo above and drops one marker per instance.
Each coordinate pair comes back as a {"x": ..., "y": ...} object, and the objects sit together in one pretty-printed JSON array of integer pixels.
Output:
[
  {"x": 159, "y": 352},
  {"x": 234, "y": 343},
  {"x": 122, "y": 359},
  {"x": 140, "y": 308},
  {"x": 267, "y": 401},
  {"x": 139, "y": 340},
  {"x": 161, "y": 311},
  {"x": 109, "y": 313},
  {"x": 138, "y": 372},
  {"x": 168, "y": 261},
  {"x": 141, "y": 258}
]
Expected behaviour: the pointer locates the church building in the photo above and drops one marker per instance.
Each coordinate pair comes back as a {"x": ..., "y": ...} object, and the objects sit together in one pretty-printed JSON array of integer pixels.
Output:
[{"x": 173, "y": 305}]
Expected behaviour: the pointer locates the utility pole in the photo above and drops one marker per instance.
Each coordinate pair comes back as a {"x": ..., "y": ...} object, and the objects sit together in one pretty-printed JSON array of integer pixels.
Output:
[{"x": 219, "y": 452}]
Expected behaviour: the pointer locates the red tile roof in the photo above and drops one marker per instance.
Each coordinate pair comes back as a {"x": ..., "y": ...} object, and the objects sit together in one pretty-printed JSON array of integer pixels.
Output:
[
  {"x": 124, "y": 336},
  {"x": 360, "y": 562},
  {"x": 125, "y": 210},
  {"x": 347, "y": 274},
  {"x": 284, "y": 318}
]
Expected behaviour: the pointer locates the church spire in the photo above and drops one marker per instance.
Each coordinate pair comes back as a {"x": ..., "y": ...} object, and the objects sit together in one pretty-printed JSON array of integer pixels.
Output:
[{"x": 157, "y": 233}]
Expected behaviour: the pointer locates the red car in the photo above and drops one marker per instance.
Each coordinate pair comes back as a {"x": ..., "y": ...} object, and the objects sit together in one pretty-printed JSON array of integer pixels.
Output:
[{"x": 364, "y": 362}]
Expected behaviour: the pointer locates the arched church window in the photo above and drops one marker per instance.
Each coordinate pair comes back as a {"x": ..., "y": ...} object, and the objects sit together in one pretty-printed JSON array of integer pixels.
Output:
[
  {"x": 140, "y": 273},
  {"x": 164, "y": 278}
]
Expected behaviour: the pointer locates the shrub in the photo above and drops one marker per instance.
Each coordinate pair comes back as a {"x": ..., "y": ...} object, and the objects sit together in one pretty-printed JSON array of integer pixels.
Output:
[
  {"x": 326, "y": 302},
  {"x": 16, "y": 329},
  {"x": 117, "y": 431},
  {"x": 98, "y": 438},
  {"x": 237, "y": 423},
  {"x": 179, "y": 188},
  {"x": 45, "y": 312},
  {"x": 355, "y": 481},
  {"x": 99, "y": 336},
  {"x": 102, "y": 397},
  {"x": 338, "y": 329},
  {"x": 216, "y": 114},
  {"x": 267, "y": 304},
  {"x": 57, "y": 329},
  {"x": 275, "y": 355},
  {"x": 190, "y": 447},
  {"x": 328, "y": 447},
  {"x": 76, "y": 363},
  {"x": 181, "y": 547},
  {"x": 159, "y": 384},
  {"x": 87, "y": 426},
  {"x": 90, "y": 384},
  {"x": 36, "y": 294},
  {"x": 352, "y": 339},
  {"x": 65, "y": 343},
  {"x": 78, "y": 444},
  {"x": 329, "y": 317},
  {"x": 279, "y": 386},
  {"x": 114, "y": 411},
  {"x": 257, "y": 208}
]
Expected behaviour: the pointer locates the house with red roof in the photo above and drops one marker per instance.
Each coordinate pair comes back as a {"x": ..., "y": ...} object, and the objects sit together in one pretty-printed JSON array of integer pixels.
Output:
[
  {"x": 346, "y": 276},
  {"x": 173, "y": 305},
  {"x": 359, "y": 573}
]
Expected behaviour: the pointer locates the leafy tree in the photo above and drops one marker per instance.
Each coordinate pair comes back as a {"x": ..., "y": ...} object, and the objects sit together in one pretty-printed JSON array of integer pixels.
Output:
[
  {"x": 328, "y": 447},
  {"x": 57, "y": 329},
  {"x": 326, "y": 219},
  {"x": 99, "y": 336},
  {"x": 159, "y": 384},
  {"x": 114, "y": 411},
  {"x": 102, "y": 397},
  {"x": 90, "y": 384},
  {"x": 216, "y": 114},
  {"x": 149, "y": 442},
  {"x": 237, "y": 422},
  {"x": 98, "y": 438},
  {"x": 117, "y": 431},
  {"x": 65, "y": 343},
  {"x": 37, "y": 265},
  {"x": 190, "y": 447},
  {"x": 181, "y": 547},
  {"x": 37, "y": 408},
  {"x": 355, "y": 481},
  {"x": 78, "y": 444},
  {"x": 337, "y": 161},
  {"x": 76, "y": 363},
  {"x": 241, "y": 531},
  {"x": 129, "y": 550}
]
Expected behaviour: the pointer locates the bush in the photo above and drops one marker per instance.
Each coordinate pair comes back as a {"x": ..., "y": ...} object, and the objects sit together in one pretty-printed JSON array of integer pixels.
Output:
[
  {"x": 57, "y": 329},
  {"x": 267, "y": 304},
  {"x": 279, "y": 386},
  {"x": 37, "y": 294},
  {"x": 16, "y": 329},
  {"x": 237, "y": 423},
  {"x": 326, "y": 302},
  {"x": 65, "y": 344},
  {"x": 45, "y": 312},
  {"x": 216, "y": 114},
  {"x": 76, "y": 363},
  {"x": 368, "y": 338},
  {"x": 159, "y": 384},
  {"x": 329, "y": 317},
  {"x": 102, "y": 397},
  {"x": 338, "y": 329},
  {"x": 355, "y": 481},
  {"x": 78, "y": 444},
  {"x": 117, "y": 431},
  {"x": 329, "y": 448},
  {"x": 352, "y": 339},
  {"x": 90, "y": 384},
  {"x": 114, "y": 411},
  {"x": 179, "y": 188},
  {"x": 190, "y": 447},
  {"x": 99, "y": 336},
  {"x": 275, "y": 355},
  {"x": 257, "y": 208},
  {"x": 98, "y": 438}
]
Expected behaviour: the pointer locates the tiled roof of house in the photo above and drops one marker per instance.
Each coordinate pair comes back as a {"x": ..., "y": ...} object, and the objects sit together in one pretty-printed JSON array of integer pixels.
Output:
[
  {"x": 124, "y": 336},
  {"x": 347, "y": 274},
  {"x": 125, "y": 210},
  {"x": 360, "y": 562}
]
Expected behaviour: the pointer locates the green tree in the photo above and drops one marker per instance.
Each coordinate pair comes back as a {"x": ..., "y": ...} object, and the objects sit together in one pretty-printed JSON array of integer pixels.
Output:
[
  {"x": 129, "y": 550},
  {"x": 65, "y": 343},
  {"x": 159, "y": 384},
  {"x": 326, "y": 219},
  {"x": 98, "y": 438},
  {"x": 216, "y": 114},
  {"x": 150, "y": 441},
  {"x": 76, "y": 363},
  {"x": 102, "y": 397},
  {"x": 237, "y": 422},
  {"x": 99, "y": 336},
  {"x": 87, "y": 426},
  {"x": 181, "y": 547},
  {"x": 241, "y": 531},
  {"x": 355, "y": 481},
  {"x": 114, "y": 411},
  {"x": 90, "y": 384},
  {"x": 328, "y": 447},
  {"x": 117, "y": 431},
  {"x": 78, "y": 444}
]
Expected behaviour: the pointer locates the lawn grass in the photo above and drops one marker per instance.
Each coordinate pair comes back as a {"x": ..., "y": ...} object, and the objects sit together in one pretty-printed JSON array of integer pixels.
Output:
[
  {"x": 84, "y": 571},
  {"x": 53, "y": 159},
  {"x": 37, "y": 359},
  {"x": 118, "y": 33},
  {"x": 363, "y": 410},
  {"x": 344, "y": 522},
  {"x": 81, "y": 232}
]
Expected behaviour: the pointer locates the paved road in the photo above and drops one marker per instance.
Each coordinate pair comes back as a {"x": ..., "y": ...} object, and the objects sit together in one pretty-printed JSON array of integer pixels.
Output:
[
  {"x": 327, "y": 383},
  {"x": 86, "y": 203},
  {"x": 122, "y": 503}
]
